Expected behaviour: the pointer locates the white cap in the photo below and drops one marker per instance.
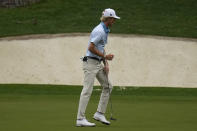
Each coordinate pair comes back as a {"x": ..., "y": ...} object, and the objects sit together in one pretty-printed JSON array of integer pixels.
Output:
[{"x": 110, "y": 13}]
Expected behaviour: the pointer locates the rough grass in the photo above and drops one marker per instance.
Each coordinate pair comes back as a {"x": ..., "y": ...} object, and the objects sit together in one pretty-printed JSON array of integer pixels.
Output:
[{"x": 176, "y": 18}]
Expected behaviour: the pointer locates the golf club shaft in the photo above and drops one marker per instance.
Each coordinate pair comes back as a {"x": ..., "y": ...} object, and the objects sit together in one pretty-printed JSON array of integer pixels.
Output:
[{"x": 110, "y": 101}]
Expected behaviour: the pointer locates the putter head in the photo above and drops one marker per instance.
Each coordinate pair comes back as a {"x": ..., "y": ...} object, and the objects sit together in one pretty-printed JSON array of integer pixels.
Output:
[{"x": 113, "y": 119}]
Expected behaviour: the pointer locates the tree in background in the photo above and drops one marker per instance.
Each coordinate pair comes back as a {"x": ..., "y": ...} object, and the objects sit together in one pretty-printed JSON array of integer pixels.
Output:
[{"x": 16, "y": 3}]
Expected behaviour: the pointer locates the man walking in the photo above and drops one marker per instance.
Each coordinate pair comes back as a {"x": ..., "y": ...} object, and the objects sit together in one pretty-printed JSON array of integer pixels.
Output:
[{"x": 94, "y": 69}]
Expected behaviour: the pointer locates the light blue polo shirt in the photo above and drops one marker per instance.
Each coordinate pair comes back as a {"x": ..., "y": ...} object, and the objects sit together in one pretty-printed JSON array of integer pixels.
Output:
[{"x": 99, "y": 37}]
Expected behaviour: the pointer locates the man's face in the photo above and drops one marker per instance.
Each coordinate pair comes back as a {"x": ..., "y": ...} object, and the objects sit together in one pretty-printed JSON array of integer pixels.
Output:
[{"x": 111, "y": 21}]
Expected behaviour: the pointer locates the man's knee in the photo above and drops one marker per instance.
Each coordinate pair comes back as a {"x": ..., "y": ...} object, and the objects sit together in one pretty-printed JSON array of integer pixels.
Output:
[{"x": 108, "y": 86}]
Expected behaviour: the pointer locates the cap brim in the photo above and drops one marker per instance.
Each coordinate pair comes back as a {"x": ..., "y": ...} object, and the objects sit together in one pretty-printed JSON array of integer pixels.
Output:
[{"x": 117, "y": 17}]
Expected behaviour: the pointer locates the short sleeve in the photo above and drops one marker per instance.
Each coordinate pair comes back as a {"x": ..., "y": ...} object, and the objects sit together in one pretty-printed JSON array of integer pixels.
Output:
[{"x": 96, "y": 37}]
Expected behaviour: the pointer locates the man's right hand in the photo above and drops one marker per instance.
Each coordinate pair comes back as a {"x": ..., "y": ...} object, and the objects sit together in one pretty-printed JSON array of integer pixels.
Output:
[{"x": 109, "y": 57}]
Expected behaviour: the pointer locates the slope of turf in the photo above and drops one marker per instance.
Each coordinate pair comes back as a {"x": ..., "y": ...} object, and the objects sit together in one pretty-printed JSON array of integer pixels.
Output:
[
  {"x": 175, "y": 18},
  {"x": 43, "y": 89},
  {"x": 53, "y": 108}
]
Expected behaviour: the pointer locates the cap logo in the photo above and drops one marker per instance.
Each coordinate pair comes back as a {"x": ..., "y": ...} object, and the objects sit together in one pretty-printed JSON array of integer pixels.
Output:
[{"x": 110, "y": 14}]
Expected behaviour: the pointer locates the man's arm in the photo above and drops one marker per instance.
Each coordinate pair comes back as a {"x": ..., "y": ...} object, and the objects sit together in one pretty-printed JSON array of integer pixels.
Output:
[
  {"x": 105, "y": 57},
  {"x": 97, "y": 52}
]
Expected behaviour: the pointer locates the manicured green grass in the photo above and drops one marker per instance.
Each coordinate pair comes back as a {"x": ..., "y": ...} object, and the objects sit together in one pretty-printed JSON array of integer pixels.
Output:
[
  {"x": 53, "y": 108},
  {"x": 175, "y": 18}
]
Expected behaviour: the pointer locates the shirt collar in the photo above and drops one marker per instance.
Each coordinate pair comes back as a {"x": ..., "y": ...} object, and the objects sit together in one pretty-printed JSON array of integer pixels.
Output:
[{"x": 106, "y": 29}]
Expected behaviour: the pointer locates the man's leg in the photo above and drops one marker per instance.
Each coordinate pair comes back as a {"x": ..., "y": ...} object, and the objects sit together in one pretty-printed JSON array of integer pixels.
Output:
[
  {"x": 86, "y": 93},
  {"x": 107, "y": 88}
]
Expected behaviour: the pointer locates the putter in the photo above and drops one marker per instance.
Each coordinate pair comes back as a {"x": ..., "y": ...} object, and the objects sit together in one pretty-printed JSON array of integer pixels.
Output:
[{"x": 110, "y": 101}]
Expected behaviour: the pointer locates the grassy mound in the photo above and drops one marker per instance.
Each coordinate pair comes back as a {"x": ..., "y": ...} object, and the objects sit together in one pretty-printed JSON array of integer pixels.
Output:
[{"x": 175, "y": 18}]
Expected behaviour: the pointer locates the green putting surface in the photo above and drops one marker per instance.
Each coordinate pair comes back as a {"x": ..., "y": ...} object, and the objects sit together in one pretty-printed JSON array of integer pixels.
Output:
[{"x": 54, "y": 108}]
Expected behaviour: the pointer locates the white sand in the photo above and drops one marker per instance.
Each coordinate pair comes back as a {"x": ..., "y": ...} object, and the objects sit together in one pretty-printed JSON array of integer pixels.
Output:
[{"x": 139, "y": 60}]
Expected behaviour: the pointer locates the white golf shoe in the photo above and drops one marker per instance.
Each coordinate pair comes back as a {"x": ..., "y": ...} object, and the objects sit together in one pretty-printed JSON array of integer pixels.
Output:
[
  {"x": 100, "y": 117},
  {"x": 84, "y": 122}
]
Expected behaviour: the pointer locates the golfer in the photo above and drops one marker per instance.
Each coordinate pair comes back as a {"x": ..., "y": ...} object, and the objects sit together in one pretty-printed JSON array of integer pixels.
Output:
[{"x": 93, "y": 68}]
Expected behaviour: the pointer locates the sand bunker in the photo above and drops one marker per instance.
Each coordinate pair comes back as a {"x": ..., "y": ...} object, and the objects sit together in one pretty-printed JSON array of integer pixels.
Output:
[{"x": 139, "y": 60}]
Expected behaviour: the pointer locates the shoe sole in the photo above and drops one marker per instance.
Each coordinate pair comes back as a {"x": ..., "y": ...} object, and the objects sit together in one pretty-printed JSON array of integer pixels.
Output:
[
  {"x": 101, "y": 121},
  {"x": 84, "y": 126}
]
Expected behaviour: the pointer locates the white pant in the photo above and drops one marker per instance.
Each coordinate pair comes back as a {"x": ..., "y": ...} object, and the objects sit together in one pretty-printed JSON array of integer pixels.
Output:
[{"x": 93, "y": 68}]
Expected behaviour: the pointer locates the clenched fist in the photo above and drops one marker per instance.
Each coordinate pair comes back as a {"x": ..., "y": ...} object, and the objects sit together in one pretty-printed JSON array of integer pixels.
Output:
[{"x": 109, "y": 57}]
